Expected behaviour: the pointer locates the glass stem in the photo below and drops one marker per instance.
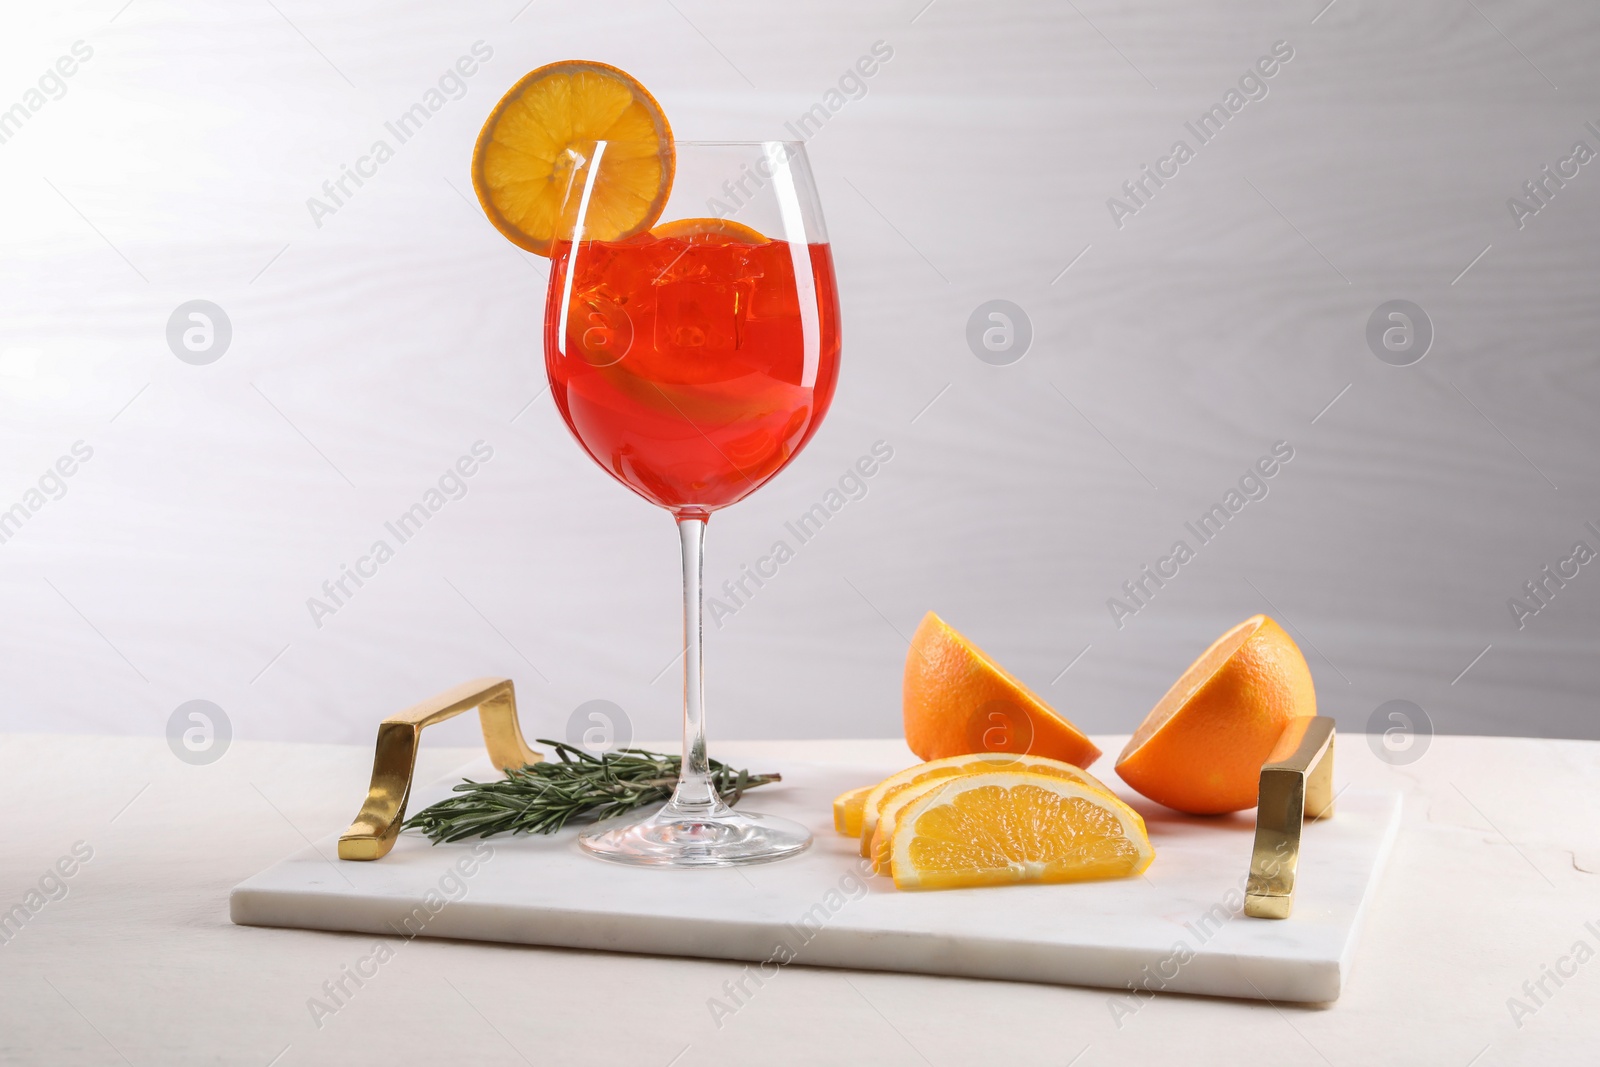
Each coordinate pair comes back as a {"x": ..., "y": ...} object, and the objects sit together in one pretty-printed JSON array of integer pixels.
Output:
[{"x": 694, "y": 795}]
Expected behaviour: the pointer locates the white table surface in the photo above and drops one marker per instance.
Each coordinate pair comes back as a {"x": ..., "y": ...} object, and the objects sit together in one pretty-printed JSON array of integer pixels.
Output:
[{"x": 1493, "y": 881}]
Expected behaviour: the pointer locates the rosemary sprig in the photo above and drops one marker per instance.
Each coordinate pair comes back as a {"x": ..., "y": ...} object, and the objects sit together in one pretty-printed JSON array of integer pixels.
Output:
[{"x": 542, "y": 797}]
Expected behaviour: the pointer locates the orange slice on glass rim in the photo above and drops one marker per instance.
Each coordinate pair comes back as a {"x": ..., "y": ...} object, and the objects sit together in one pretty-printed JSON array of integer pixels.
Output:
[{"x": 536, "y": 145}]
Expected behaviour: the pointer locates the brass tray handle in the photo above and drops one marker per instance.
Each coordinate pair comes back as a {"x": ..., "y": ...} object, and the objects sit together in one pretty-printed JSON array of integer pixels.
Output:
[
  {"x": 377, "y": 825},
  {"x": 1296, "y": 784}
]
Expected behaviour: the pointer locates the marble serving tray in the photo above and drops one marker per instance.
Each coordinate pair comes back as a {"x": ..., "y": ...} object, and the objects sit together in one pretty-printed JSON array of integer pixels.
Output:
[{"x": 1179, "y": 928}]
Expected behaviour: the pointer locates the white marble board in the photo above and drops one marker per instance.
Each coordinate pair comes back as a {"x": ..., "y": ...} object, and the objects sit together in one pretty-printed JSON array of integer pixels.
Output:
[{"x": 1178, "y": 928}]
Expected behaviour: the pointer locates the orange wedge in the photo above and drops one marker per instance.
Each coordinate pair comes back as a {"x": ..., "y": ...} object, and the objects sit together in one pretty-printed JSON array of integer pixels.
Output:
[
  {"x": 532, "y": 156},
  {"x": 877, "y": 838},
  {"x": 709, "y": 231},
  {"x": 957, "y": 699},
  {"x": 877, "y": 842},
  {"x": 1201, "y": 748},
  {"x": 886, "y": 790},
  {"x": 1014, "y": 826},
  {"x": 847, "y": 810}
]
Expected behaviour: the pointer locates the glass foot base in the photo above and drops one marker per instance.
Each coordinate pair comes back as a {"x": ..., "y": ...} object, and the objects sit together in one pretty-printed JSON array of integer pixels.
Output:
[{"x": 674, "y": 838}]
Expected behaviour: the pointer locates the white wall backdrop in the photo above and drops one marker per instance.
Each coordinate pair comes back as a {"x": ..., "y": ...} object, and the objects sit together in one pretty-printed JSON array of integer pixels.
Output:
[{"x": 373, "y": 346}]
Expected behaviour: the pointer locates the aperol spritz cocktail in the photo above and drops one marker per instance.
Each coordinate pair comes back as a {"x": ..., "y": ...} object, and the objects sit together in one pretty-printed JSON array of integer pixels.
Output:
[
  {"x": 692, "y": 360},
  {"x": 692, "y": 367}
]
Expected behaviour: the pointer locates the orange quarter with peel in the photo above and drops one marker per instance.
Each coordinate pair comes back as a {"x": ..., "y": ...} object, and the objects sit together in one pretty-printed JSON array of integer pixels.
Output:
[
  {"x": 1201, "y": 748},
  {"x": 535, "y": 148},
  {"x": 958, "y": 700}
]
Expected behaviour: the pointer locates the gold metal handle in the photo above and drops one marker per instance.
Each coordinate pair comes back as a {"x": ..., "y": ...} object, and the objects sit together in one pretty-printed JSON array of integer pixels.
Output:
[
  {"x": 1296, "y": 784},
  {"x": 377, "y": 825}
]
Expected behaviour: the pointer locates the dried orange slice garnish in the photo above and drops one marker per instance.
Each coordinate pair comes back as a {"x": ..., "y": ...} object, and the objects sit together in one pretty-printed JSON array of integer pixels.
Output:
[
  {"x": 536, "y": 145},
  {"x": 1010, "y": 826},
  {"x": 709, "y": 231}
]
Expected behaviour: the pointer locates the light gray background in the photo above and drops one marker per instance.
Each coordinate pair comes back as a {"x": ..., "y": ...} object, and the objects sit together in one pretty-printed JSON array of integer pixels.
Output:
[{"x": 1229, "y": 313}]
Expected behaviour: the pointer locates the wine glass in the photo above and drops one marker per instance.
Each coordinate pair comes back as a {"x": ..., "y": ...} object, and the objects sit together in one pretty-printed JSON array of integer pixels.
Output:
[{"x": 693, "y": 362}]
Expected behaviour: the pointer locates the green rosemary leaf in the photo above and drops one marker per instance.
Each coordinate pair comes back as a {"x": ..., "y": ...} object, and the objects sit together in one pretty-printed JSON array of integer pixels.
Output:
[{"x": 541, "y": 798}]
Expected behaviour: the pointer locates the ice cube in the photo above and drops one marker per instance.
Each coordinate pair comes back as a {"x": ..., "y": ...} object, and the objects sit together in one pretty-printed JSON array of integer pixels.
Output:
[
  {"x": 599, "y": 326},
  {"x": 701, "y": 316}
]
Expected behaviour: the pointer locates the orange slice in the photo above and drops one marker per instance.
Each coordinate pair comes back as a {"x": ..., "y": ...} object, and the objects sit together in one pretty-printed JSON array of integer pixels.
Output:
[
  {"x": 847, "y": 810},
  {"x": 957, "y": 699},
  {"x": 532, "y": 156},
  {"x": 1009, "y": 826},
  {"x": 895, "y": 801},
  {"x": 949, "y": 767},
  {"x": 1201, "y": 748},
  {"x": 709, "y": 231},
  {"x": 877, "y": 842}
]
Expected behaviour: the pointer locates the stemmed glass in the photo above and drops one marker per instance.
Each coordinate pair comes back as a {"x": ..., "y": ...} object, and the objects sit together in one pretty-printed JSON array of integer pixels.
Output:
[{"x": 693, "y": 362}]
